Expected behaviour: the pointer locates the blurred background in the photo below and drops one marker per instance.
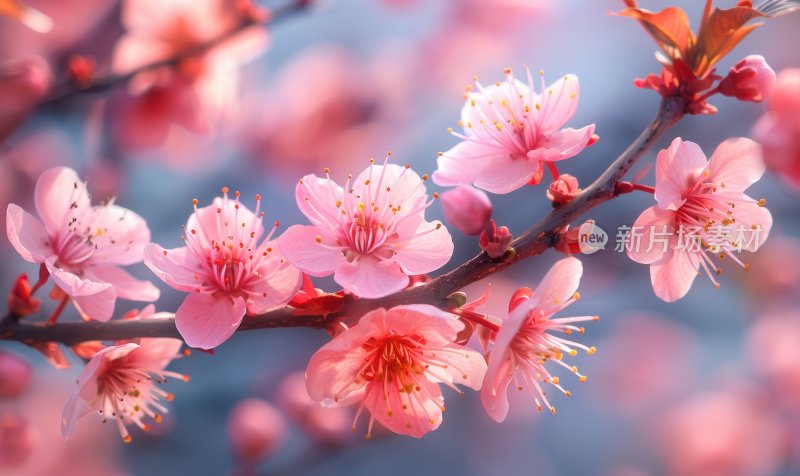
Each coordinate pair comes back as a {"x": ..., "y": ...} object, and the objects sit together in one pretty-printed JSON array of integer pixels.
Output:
[{"x": 709, "y": 385}]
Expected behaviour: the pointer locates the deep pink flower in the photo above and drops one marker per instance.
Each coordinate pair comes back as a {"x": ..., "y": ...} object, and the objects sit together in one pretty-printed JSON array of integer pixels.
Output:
[
  {"x": 372, "y": 237},
  {"x": 510, "y": 131},
  {"x": 751, "y": 79},
  {"x": 201, "y": 88},
  {"x": 226, "y": 267},
  {"x": 778, "y": 130},
  {"x": 82, "y": 245},
  {"x": 393, "y": 362},
  {"x": 525, "y": 341},
  {"x": 120, "y": 383},
  {"x": 704, "y": 212},
  {"x": 467, "y": 209}
]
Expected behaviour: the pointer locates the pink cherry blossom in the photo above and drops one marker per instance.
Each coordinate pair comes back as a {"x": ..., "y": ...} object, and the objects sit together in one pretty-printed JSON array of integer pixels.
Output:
[
  {"x": 467, "y": 209},
  {"x": 510, "y": 132},
  {"x": 525, "y": 341},
  {"x": 226, "y": 267},
  {"x": 326, "y": 425},
  {"x": 778, "y": 130},
  {"x": 370, "y": 235},
  {"x": 704, "y": 212},
  {"x": 723, "y": 432},
  {"x": 82, "y": 245},
  {"x": 202, "y": 88},
  {"x": 393, "y": 362},
  {"x": 751, "y": 79},
  {"x": 120, "y": 383},
  {"x": 255, "y": 430}
]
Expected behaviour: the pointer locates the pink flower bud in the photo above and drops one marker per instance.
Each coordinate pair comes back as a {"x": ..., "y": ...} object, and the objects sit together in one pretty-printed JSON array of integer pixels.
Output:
[
  {"x": 16, "y": 440},
  {"x": 327, "y": 425},
  {"x": 255, "y": 429},
  {"x": 15, "y": 375},
  {"x": 563, "y": 189},
  {"x": 467, "y": 209},
  {"x": 750, "y": 80},
  {"x": 495, "y": 241}
]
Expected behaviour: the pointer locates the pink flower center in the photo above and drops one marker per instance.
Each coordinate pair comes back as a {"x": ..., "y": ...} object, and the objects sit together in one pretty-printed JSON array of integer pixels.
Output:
[
  {"x": 127, "y": 392},
  {"x": 392, "y": 358},
  {"x": 228, "y": 248}
]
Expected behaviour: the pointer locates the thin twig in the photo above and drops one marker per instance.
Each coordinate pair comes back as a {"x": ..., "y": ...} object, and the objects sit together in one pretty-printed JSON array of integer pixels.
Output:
[{"x": 534, "y": 241}]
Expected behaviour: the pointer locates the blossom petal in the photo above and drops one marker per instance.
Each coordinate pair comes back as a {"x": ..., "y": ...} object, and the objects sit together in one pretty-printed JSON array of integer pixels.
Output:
[
  {"x": 60, "y": 195},
  {"x": 126, "y": 286},
  {"x": 672, "y": 277},
  {"x": 317, "y": 198},
  {"x": 463, "y": 365},
  {"x": 557, "y": 286},
  {"x": 120, "y": 235},
  {"x": 506, "y": 174},
  {"x": 652, "y": 221},
  {"x": 755, "y": 223},
  {"x": 428, "y": 251},
  {"x": 568, "y": 142},
  {"x": 27, "y": 235},
  {"x": 464, "y": 163},
  {"x": 413, "y": 413},
  {"x": 369, "y": 277},
  {"x": 677, "y": 169},
  {"x": 278, "y": 281},
  {"x": 494, "y": 394},
  {"x": 176, "y": 267},
  {"x": 437, "y": 326},
  {"x": 299, "y": 245},
  {"x": 737, "y": 163},
  {"x": 206, "y": 321},
  {"x": 94, "y": 300},
  {"x": 558, "y": 103},
  {"x": 331, "y": 375}
]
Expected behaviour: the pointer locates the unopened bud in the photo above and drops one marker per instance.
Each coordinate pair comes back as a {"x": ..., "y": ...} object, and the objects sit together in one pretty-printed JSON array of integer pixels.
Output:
[
  {"x": 20, "y": 300},
  {"x": 467, "y": 209},
  {"x": 495, "y": 241},
  {"x": 751, "y": 79},
  {"x": 563, "y": 189}
]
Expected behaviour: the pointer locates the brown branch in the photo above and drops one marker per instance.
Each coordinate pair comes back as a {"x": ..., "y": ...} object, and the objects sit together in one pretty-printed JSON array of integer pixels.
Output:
[
  {"x": 70, "y": 88},
  {"x": 534, "y": 241}
]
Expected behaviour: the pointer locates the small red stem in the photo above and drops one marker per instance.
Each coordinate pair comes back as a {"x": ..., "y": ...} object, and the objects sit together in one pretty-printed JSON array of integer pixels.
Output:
[
  {"x": 643, "y": 188},
  {"x": 553, "y": 170},
  {"x": 57, "y": 312},
  {"x": 43, "y": 276},
  {"x": 707, "y": 95},
  {"x": 479, "y": 319}
]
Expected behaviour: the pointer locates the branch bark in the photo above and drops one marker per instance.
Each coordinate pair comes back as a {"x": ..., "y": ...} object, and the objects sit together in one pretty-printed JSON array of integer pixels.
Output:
[{"x": 534, "y": 241}]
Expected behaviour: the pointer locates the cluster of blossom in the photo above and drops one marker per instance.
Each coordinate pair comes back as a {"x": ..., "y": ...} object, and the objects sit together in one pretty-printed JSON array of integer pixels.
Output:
[{"x": 373, "y": 237}]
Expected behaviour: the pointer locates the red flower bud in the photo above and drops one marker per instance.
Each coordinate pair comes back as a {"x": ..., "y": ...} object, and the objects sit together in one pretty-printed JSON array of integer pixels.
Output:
[
  {"x": 563, "y": 189},
  {"x": 751, "y": 79},
  {"x": 21, "y": 301},
  {"x": 495, "y": 241}
]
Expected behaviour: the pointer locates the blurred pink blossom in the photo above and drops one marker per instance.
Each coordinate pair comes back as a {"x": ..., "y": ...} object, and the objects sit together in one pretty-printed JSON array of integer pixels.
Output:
[
  {"x": 632, "y": 385},
  {"x": 15, "y": 375},
  {"x": 392, "y": 363},
  {"x": 774, "y": 275},
  {"x": 372, "y": 235},
  {"x": 83, "y": 246},
  {"x": 725, "y": 432},
  {"x": 22, "y": 83},
  {"x": 693, "y": 192},
  {"x": 524, "y": 342},
  {"x": 773, "y": 348},
  {"x": 17, "y": 440},
  {"x": 467, "y": 208},
  {"x": 779, "y": 129},
  {"x": 200, "y": 89},
  {"x": 227, "y": 269},
  {"x": 510, "y": 132},
  {"x": 329, "y": 425},
  {"x": 354, "y": 105},
  {"x": 751, "y": 79},
  {"x": 255, "y": 430}
]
